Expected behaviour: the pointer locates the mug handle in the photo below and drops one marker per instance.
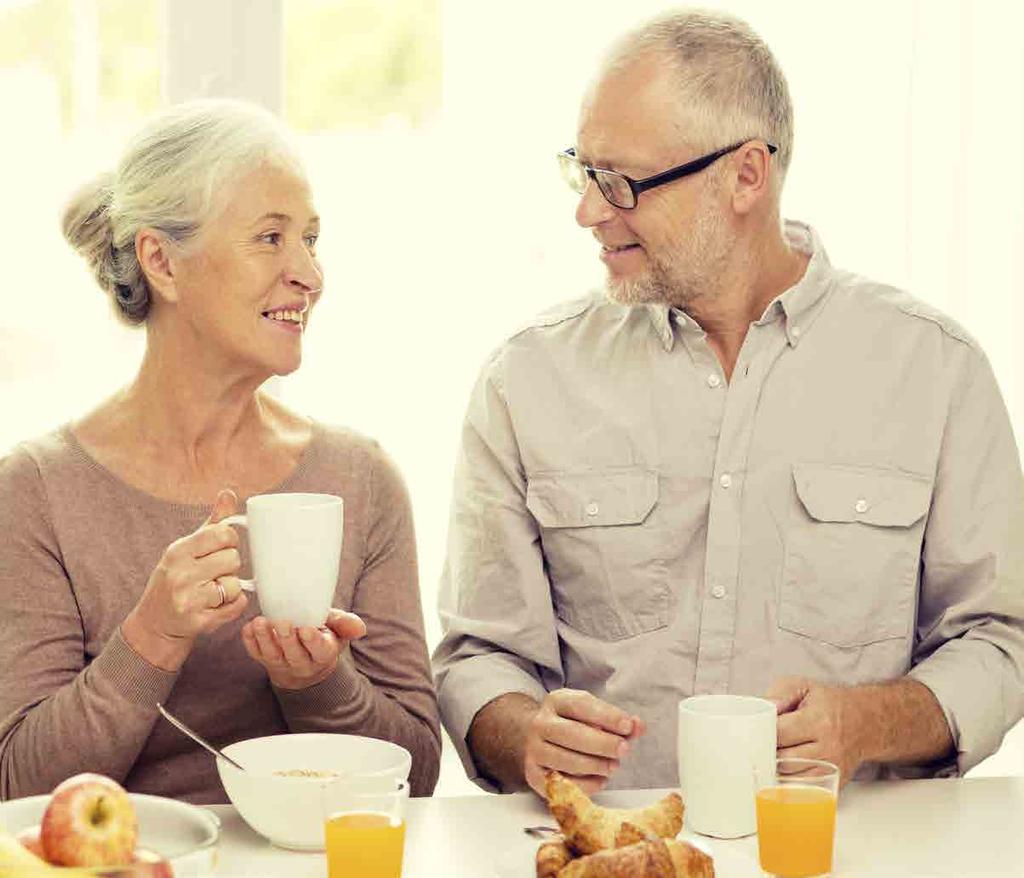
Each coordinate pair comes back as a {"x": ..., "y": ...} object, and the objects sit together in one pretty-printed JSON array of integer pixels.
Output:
[{"x": 240, "y": 520}]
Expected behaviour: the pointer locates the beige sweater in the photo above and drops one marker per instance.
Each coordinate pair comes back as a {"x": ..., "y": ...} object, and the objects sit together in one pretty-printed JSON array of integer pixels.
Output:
[{"x": 77, "y": 546}]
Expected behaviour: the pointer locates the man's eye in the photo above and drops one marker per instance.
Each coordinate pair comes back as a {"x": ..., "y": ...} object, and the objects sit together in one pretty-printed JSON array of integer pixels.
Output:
[
  {"x": 271, "y": 238},
  {"x": 311, "y": 240}
]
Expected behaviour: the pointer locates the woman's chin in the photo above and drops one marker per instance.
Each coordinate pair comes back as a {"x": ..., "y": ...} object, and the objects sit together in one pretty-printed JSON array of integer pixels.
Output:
[{"x": 281, "y": 370}]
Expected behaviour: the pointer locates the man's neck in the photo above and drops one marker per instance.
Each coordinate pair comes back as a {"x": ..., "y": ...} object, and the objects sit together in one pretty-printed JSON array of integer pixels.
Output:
[{"x": 743, "y": 295}]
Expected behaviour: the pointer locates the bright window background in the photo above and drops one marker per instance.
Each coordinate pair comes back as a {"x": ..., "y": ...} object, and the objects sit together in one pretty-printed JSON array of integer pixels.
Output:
[{"x": 430, "y": 127}]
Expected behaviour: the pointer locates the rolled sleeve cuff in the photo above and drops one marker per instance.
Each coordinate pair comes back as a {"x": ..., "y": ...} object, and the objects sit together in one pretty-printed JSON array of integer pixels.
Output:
[
  {"x": 471, "y": 684},
  {"x": 969, "y": 692}
]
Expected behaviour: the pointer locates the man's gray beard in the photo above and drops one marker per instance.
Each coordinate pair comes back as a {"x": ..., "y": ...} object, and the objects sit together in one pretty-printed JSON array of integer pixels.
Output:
[
  {"x": 655, "y": 287},
  {"x": 689, "y": 276}
]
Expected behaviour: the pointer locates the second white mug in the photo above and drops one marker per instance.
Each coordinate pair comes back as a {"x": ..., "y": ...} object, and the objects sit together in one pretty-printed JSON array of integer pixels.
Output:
[
  {"x": 295, "y": 542},
  {"x": 723, "y": 739}
]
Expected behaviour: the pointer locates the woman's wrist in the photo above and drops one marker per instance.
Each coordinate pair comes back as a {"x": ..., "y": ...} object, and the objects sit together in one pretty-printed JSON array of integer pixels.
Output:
[
  {"x": 160, "y": 650},
  {"x": 293, "y": 683}
]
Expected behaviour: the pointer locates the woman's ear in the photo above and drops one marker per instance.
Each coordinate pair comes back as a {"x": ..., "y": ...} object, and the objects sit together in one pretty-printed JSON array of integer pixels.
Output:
[{"x": 157, "y": 259}]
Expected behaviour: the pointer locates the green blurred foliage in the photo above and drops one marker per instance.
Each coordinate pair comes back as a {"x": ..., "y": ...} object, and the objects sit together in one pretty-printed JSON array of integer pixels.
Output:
[
  {"x": 356, "y": 63},
  {"x": 348, "y": 63},
  {"x": 131, "y": 55},
  {"x": 41, "y": 34}
]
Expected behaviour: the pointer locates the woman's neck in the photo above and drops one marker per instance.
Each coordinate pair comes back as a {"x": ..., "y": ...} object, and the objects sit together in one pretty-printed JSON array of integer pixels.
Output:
[
  {"x": 187, "y": 427},
  {"x": 195, "y": 410}
]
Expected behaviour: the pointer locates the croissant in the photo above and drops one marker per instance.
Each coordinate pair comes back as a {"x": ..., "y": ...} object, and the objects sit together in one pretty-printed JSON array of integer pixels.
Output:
[
  {"x": 552, "y": 856},
  {"x": 589, "y": 828},
  {"x": 653, "y": 858},
  {"x": 688, "y": 861}
]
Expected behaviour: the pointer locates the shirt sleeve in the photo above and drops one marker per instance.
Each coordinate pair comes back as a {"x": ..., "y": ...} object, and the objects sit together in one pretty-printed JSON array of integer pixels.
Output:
[
  {"x": 969, "y": 644},
  {"x": 60, "y": 714},
  {"x": 382, "y": 686},
  {"x": 495, "y": 599}
]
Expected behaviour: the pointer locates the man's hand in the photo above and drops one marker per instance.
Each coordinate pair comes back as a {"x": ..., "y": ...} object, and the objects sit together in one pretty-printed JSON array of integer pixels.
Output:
[
  {"x": 579, "y": 735},
  {"x": 899, "y": 722},
  {"x": 818, "y": 722}
]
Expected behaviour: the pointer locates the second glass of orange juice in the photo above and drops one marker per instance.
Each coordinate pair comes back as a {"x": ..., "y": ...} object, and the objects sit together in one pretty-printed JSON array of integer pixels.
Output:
[
  {"x": 796, "y": 818},
  {"x": 364, "y": 827}
]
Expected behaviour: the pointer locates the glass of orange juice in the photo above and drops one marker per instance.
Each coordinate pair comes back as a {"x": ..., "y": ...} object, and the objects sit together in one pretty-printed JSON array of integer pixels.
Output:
[
  {"x": 796, "y": 818},
  {"x": 364, "y": 826}
]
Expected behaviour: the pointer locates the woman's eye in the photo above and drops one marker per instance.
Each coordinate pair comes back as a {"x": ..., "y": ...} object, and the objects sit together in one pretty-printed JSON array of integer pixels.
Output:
[
  {"x": 311, "y": 240},
  {"x": 271, "y": 238}
]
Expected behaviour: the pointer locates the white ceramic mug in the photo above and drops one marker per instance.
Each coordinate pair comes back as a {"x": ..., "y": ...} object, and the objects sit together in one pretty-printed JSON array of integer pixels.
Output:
[
  {"x": 295, "y": 543},
  {"x": 723, "y": 740}
]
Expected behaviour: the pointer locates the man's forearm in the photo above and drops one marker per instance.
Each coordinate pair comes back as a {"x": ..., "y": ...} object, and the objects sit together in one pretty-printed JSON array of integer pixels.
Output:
[
  {"x": 900, "y": 723},
  {"x": 497, "y": 738}
]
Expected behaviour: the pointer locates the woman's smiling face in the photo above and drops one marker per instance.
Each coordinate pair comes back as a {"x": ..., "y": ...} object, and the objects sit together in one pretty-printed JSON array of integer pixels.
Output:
[{"x": 247, "y": 282}]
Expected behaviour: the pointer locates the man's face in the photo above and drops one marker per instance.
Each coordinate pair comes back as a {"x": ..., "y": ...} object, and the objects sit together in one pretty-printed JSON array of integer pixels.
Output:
[{"x": 674, "y": 245}]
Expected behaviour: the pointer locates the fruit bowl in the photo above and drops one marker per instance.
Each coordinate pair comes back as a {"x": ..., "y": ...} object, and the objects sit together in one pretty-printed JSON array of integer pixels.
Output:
[
  {"x": 288, "y": 810},
  {"x": 186, "y": 836}
]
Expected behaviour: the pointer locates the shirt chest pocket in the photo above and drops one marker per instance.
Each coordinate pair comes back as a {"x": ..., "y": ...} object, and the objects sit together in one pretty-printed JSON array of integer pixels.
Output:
[
  {"x": 603, "y": 549},
  {"x": 852, "y": 554}
]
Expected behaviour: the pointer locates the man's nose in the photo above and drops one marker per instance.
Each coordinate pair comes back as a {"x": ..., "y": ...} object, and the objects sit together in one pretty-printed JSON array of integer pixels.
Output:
[{"x": 593, "y": 208}]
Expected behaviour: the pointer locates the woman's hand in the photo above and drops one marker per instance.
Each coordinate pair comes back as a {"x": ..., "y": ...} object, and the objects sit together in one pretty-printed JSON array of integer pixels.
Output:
[
  {"x": 298, "y": 657},
  {"x": 192, "y": 591}
]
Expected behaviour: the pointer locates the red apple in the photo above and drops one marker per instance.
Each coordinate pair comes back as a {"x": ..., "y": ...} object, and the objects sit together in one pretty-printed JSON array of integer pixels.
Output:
[
  {"x": 29, "y": 839},
  {"x": 90, "y": 821}
]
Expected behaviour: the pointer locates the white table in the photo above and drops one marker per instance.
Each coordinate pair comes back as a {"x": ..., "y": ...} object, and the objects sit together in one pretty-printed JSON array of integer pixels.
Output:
[{"x": 911, "y": 829}]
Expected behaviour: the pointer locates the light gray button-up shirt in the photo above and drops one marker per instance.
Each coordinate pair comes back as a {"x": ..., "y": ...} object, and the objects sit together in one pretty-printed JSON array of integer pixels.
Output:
[{"x": 848, "y": 507}]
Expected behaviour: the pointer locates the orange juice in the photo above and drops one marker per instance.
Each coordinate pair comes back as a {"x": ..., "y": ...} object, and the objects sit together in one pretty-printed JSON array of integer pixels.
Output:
[
  {"x": 364, "y": 845},
  {"x": 795, "y": 828}
]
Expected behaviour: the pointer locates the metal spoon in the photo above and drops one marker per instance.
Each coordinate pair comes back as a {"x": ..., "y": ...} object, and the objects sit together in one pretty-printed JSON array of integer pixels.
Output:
[{"x": 178, "y": 724}]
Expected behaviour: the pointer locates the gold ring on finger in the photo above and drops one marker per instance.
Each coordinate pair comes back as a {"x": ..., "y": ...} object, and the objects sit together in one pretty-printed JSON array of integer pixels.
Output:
[{"x": 223, "y": 594}]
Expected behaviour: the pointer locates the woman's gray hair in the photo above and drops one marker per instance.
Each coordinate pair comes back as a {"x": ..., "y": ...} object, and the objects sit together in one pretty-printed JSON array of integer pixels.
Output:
[
  {"x": 731, "y": 86},
  {"x": 168, "y": 180}
]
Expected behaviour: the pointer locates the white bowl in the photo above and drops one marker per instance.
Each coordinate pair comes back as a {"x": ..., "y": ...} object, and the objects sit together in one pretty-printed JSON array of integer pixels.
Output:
[
  {"x": 185, "y": 835},
  {"x": 287, "y": 810}
]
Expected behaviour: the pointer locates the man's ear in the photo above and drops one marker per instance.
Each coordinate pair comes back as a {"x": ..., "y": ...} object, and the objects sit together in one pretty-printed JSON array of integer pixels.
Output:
[
  {"x": 158, "y": 259},
  {"x": 753, "y": 176}
]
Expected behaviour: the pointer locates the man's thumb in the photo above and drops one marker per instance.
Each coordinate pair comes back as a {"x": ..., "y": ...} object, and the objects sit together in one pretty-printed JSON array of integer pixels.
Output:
[{"x": 226, "y": 504}]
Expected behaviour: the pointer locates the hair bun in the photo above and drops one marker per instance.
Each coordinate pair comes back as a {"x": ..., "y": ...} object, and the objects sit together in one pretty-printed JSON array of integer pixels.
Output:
[{"x": 87, "y": 227}]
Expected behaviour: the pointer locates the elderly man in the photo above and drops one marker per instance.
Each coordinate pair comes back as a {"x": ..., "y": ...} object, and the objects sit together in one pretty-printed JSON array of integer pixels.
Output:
[{"x": 743, "y": 470}]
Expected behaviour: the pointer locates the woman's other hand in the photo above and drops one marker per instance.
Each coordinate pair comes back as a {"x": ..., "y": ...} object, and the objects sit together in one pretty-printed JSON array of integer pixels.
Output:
[
  {"x": 298, "y": 657},
  {"x": 193, "y": 590}
]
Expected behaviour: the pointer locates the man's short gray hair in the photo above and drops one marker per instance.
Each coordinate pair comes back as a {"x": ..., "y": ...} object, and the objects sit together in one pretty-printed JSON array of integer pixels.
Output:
[
  {"x": 731, "y": 86},
  {"x": 169, "y": 179}
]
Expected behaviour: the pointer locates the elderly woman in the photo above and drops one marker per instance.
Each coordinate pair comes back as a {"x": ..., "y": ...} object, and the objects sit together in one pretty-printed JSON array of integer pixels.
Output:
[{"x": 118, "y": 586}]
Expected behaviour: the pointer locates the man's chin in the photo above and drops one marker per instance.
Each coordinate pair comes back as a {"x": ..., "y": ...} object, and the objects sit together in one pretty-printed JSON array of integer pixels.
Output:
[{"x": 634, "y": 291}]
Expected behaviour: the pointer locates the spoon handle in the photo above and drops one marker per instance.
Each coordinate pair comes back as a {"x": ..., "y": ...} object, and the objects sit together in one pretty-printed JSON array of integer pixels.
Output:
[{"x": 178, "y": 724}]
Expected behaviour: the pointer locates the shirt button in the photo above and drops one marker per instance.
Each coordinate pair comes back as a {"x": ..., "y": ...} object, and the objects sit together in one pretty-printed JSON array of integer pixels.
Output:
[
  {"x": 861, "y": 505},
  {"x": 593, "y": 508},
  {"x": 725, "y": 481},
  {"x": 796, "y": 331},
  {"x": 714, "y": 380},
  {"x": 718, "y": 591}
]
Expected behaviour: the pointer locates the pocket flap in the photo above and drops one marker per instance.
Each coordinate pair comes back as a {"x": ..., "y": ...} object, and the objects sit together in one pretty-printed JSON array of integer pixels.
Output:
[
  {"x": 887, "y": 498},
  {"x": 594, "y": 497}
]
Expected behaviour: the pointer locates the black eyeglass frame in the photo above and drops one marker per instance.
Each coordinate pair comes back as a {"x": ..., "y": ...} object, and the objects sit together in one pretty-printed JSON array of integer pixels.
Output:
[{"x": 672, "y": 174}]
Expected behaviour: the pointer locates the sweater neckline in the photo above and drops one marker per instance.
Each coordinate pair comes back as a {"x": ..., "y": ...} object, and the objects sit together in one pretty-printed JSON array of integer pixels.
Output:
[{"x": 186, "y": 510}]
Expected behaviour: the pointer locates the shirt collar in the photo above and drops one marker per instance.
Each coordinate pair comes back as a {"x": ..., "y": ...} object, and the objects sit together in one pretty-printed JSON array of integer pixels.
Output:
[
  {"x": 797, "y": 306},
  {"x": 801, "y": 303}
]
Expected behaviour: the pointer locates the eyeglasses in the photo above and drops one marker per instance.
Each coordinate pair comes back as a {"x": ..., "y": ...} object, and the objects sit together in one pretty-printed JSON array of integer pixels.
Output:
[{"x": 622, "y": 191}]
